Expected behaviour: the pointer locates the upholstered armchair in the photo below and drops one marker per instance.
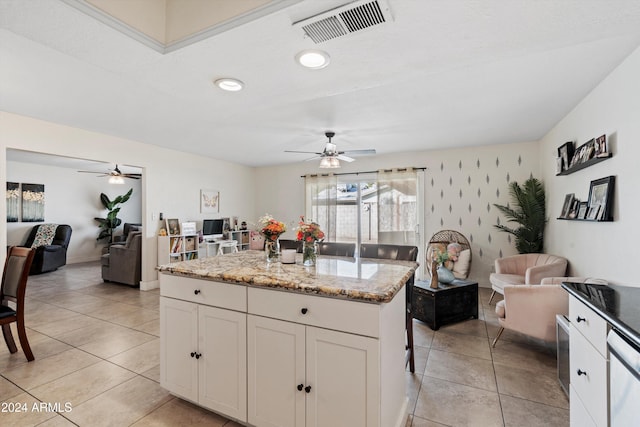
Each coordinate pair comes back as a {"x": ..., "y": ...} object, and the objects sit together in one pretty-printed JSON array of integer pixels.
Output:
[
  {"x": 532, "y": 309},
  {"x": 49, "y": 256},
  {"x": 525, "y": 269},
  {"x": 127, "y": 228},
  {"x": 123, "y": 263}
]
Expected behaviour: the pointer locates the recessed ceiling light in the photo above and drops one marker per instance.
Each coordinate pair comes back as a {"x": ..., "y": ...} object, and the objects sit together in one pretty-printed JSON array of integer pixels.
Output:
[
  {"x": 314, "y": 59},
  {"x": 229, "y": 84}
]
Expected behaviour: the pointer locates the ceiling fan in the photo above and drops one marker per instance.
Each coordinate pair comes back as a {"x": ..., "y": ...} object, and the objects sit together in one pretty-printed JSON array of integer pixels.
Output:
[
  {"x": 115, "y": 173},
  {"x": 330, "y": 157}
]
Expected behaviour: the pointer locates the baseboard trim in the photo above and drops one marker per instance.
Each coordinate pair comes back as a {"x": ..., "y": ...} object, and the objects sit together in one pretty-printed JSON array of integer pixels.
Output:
[{"x": 149, "y": 284}]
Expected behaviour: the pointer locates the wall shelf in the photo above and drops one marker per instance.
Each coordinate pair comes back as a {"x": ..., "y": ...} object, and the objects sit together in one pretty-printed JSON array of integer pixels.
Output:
[
  {"x": 585, "y": 220},
  {"x": 580, "y": 166}
]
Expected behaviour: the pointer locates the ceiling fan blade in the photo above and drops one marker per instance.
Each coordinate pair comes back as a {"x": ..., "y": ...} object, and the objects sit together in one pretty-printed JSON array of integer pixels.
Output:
[
  {"x": 89, "y": 172},
  {"x": 359, "y": 152},
  {"x": 303, "y": 152},
  {"x": 345, "y": 158},
  {"x": 131, "y": 175},
  {"x": 313, "y": 158}
]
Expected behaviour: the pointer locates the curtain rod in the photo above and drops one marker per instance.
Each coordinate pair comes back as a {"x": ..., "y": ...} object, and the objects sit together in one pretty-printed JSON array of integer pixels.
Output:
[{"x": 358, "y": 173}]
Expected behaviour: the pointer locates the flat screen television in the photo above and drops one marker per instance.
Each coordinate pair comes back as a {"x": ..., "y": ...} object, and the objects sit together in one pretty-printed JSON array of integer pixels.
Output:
[{"x": 212, "y": 227}]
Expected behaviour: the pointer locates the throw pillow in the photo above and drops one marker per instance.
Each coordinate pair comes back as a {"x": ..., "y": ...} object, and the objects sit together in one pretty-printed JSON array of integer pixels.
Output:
[
  {"x": 44, "y": 235},
  {"x": 461, "y": 266}
]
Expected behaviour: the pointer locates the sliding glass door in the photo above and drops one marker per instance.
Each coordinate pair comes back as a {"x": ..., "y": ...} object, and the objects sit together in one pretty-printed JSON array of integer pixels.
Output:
[{"x": 381, "y": 207}]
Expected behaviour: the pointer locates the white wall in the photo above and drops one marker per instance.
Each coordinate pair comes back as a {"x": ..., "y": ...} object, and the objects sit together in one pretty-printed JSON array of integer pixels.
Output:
[
  {"x": 171, "y": 183},
  {"x": 606, "y": 250},
  {"x": 74, "y": 200},
  {"x": 280, "y": 191}
]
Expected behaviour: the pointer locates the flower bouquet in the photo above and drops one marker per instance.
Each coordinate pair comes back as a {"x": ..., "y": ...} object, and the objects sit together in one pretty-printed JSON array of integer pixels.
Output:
[
  {"x": 271, "y": 229},
  {"x": 309, "y": 233},
  {"x": 443, "y": 262}
]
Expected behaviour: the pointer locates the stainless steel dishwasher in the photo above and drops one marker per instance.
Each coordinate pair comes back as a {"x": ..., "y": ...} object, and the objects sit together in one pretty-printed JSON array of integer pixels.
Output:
[{"x": 624, "y": 381}]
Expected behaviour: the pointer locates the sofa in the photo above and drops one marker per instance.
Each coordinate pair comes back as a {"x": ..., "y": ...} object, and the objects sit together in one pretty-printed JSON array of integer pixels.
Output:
[
  {"x": 525, "y": 269},
  {"x": 123, "y": 263},
  {"x": 51, "y": 256}
]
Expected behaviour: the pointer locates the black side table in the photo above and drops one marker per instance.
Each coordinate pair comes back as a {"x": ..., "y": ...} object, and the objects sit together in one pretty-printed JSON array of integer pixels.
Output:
[{"x": 449, "y": 303}]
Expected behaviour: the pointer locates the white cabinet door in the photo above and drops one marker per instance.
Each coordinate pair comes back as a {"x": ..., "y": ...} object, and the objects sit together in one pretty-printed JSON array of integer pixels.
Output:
[
  {"x": 222, "y": 364},
  {"x": 178, "y": 341},
  {"x": 276, "y": 373},
  {"x": 343, "y": 372}
]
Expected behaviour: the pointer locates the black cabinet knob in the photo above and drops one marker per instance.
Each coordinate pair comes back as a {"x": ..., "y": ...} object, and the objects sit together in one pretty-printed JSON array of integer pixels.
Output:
[
  {"x": 580, "y": 319},
  {"x": 304, "y": 311},
  {"x": 307, "y": 388},
  {"x": 197, "y": 291},
  {"x": 581, "y": 372},
  {"x": 300, "y": 387},
  {"x": 198, "y": 355},
  {"x": 193, "y": 354}
]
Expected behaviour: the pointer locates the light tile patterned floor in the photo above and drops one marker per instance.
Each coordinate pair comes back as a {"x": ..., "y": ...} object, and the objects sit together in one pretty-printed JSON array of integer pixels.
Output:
[{"x": 97, "y": 349}]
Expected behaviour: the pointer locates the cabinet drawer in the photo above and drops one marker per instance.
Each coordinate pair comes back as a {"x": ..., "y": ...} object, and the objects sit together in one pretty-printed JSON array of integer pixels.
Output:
[
  {"x": 217, "y": 294},
  {"x": 591, "y": 325},
  {"x": 589, "y": 376},
  {"x": 331, "y": 313},
  {"x": 578, "y": 414}
]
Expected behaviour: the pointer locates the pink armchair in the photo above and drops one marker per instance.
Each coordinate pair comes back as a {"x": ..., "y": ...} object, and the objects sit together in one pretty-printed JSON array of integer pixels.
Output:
[
  {"x": 525, "y": 269},
  {"x": 532, "y": 309}
]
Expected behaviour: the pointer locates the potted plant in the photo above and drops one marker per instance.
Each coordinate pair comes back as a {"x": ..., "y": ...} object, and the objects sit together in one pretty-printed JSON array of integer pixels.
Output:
[
  {"x": 111, "y": 222},
  {"x": 529, "y": 211}
]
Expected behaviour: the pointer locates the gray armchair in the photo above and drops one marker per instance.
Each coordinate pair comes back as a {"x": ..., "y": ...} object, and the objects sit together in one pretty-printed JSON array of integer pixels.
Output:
[{"x": 123, "y": 263}]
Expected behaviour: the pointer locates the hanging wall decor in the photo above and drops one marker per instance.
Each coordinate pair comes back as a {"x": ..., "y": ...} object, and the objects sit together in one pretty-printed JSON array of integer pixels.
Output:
[
  {"x": 209, "y": 201},
  {"x": 32, "y": 202},
  {"x": 13, "y": 201}
]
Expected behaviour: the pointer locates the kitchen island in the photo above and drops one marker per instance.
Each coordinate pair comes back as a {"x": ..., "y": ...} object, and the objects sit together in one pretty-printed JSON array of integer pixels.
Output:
[{"x": 271, "y": 344}]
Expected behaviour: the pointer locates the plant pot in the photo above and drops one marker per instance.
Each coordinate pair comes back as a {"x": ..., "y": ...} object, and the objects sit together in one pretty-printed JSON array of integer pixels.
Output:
[{"x": 445, "y": 275}]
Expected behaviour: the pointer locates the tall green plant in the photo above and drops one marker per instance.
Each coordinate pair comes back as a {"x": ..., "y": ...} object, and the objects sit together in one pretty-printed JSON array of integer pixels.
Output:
[
  {"x": 111, "y": 222},
  {"x": 529, "y": 211}
]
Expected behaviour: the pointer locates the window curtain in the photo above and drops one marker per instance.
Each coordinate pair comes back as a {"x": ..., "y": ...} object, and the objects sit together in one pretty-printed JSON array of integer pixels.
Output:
[
  {"x": 398, "y": 207},
  {"x": 321, "y": 202}
]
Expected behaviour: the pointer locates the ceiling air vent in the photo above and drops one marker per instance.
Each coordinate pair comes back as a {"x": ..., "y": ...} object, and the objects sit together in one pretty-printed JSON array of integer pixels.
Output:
[{"x": 345, "y": 20}]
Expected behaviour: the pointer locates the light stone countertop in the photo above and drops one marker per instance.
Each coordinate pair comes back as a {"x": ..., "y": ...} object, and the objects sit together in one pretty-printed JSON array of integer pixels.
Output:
[{"x": 364, "y": 279}]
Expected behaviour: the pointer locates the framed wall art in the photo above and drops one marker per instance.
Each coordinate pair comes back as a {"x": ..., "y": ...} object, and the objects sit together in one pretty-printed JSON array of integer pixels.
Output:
[
  {"x": 13, "y": 201},
  {"x": 32, "y": 202},
  {"x": 209, "y": 201}
]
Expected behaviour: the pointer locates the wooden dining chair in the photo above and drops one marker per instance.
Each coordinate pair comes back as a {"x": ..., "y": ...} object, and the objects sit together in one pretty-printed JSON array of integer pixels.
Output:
[
  {"x": 400, "y": 253},
  {"x": 14, "y": 285},
  {"x": 336, "y": 249}
]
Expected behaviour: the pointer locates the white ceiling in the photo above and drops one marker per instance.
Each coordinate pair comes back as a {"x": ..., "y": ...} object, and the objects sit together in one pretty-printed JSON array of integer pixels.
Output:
[{"x": 443, "y": 74}]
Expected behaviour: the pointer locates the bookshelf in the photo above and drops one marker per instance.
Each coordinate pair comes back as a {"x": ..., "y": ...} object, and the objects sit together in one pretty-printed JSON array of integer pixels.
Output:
[
  {"x": 182, "y": 247},
  {"x": 242, "y": 237}
]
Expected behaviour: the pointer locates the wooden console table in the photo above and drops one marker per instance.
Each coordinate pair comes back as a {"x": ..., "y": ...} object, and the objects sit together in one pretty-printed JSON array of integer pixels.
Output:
[{"x": 449, "y": 303}]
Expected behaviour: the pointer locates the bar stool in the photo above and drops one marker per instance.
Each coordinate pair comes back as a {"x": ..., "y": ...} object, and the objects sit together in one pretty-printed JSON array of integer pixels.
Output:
[{"x": 227, "y": 244}]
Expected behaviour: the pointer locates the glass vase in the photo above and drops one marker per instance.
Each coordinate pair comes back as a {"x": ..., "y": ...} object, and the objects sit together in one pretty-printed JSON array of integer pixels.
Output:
[
  {"x": 272, "y": 248},
  {"x": 445, "y": 275},
  {"x": 309, "y": 253}
]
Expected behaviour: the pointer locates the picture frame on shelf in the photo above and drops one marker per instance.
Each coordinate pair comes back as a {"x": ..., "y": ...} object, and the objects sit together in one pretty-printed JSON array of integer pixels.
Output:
[
  {"x": 573, "y": 209},
  {"x": 566, "y": 206},
  {"x": 601, "y": 195},
  {"x": 209, "y": 201},
  {"x": 593, "y": 212},
  {"x": 601, "y": 147},
  {"x": 173, "y": 226},
  {"x": 583, "y": 153},
  {"x": 188, "y": 228},
  {"x": 565, "y": 154},
  {"x": 582, "y": 210}
]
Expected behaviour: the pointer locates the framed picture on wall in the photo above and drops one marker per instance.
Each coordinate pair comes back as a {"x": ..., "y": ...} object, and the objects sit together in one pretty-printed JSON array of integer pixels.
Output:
[
  {"x": 601, "y": 194},
  {"x": 209, "y": 201}
]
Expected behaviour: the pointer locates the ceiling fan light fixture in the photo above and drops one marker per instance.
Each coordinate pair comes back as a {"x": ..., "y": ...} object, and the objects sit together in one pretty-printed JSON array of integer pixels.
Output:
[
  {"x": 229, "y": 84},
  {"x": 313, "y": 59},
  {"x": 115, "y": 179},
  {"x": 329, "y": 163}
]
